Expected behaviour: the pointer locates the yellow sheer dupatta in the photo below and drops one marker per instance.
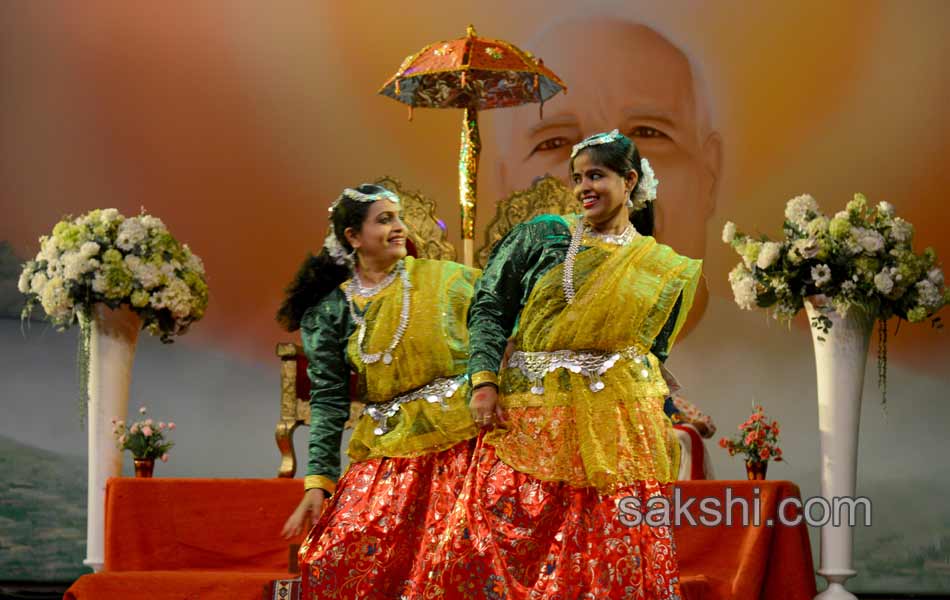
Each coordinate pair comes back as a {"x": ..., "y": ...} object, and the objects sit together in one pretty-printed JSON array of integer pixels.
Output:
[
  {"x": 620, "y": 434},
  {"x": 624, "y": 298},
  {"x": 434, "y": 346}
]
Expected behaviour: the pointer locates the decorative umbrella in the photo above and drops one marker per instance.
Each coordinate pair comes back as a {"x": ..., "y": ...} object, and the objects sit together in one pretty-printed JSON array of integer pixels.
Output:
[{"x": 472, "y": 73}]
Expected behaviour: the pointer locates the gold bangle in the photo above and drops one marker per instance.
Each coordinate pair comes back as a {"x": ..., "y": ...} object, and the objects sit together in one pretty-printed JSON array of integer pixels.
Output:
[
  {"x": 319, "y": 481},
  {"x": 484, "y": 377}
]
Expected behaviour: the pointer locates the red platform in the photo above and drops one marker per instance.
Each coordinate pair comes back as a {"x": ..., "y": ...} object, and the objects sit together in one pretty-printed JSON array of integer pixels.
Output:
[{"x": 219, "y": 539}]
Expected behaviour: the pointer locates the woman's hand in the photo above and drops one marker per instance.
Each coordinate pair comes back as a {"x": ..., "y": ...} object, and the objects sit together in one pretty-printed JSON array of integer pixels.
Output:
[
  {"x": 485, "y": 408},
  {"x": 305, "y": 515}
]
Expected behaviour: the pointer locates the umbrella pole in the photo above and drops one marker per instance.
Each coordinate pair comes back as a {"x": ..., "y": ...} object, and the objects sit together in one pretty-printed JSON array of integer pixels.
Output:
[{"x": 468, "y": 181}]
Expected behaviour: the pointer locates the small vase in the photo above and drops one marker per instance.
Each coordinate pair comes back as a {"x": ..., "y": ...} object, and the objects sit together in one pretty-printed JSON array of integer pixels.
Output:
[
  {"x": 144, "y": 467},
  {"x": 755, "y": 469}
]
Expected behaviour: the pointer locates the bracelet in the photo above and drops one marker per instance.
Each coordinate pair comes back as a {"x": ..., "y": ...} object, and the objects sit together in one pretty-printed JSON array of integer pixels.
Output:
[{"x": 484, "y": 377}]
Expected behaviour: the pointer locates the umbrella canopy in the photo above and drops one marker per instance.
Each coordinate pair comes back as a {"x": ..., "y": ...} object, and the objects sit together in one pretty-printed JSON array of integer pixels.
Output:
[{"x": 472, "y": 72}]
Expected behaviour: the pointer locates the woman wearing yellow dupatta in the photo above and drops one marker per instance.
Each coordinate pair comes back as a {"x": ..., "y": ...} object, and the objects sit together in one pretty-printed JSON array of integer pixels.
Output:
[
  {"x": 399, "y": 323},
  {"x": 594, "y": 305}
]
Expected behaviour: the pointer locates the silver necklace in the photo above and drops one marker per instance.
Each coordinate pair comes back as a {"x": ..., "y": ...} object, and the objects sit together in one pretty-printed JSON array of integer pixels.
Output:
[
  {"x": 387, "y": 354},
  {"x": 580, "y": 230},
  {"x": 365, "y": 292},
  {"x": 617, "y": 239}
]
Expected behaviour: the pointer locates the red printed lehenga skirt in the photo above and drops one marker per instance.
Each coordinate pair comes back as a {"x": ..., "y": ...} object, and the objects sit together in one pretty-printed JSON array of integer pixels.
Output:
[
  {"x": 384, "y": 513},
  {"x": 512, "y": 536}
]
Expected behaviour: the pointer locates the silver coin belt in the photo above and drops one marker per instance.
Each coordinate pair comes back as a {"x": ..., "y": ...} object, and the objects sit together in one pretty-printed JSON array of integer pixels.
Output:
[
  {"x": 434, "y": 392},
  {"x": 592, "y": 365}
]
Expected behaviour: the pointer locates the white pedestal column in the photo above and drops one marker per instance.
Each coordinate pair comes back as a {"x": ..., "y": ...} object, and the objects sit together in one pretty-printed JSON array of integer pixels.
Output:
[
  {"x": 840, "y": 357},
  {"x": 111, "y": 355}
]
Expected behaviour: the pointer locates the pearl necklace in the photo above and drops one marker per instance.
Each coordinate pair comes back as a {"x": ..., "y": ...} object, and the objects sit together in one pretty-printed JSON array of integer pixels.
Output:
[
  {"x": 356, "y": 287},
  {"x": 580, "y": 230}
]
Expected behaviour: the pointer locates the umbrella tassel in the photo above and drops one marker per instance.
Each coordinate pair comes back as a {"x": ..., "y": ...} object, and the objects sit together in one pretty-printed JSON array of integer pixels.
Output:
[
  {"x": 410, "y": 113},
  {"x": 398, "y": 91}
]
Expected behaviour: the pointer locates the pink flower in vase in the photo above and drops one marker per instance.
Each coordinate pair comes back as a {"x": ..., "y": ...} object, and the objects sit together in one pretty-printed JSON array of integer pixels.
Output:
[
  {"x": 171, "y": 425},
  {"x": 134, "y": 428},
  {"x": 764, "y": 454},
  {"x": 165, "y": 457},
  {"x": 161, "y": 425},
  {"x": 147, "y": 431}
]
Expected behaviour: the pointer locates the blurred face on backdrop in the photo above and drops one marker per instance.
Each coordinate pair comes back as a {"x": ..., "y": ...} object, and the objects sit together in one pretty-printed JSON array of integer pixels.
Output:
[{"x": 625, "y": 76}]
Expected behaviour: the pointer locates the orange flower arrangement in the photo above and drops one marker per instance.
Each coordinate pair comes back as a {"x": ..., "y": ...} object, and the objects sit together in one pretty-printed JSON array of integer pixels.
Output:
[{"x": 757, "y": 439}]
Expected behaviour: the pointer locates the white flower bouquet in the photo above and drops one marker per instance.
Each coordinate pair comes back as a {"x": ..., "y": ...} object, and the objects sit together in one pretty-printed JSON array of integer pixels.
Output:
[
  {"x": 860, "y": 257},
  {"x": 105, "y": 257}
]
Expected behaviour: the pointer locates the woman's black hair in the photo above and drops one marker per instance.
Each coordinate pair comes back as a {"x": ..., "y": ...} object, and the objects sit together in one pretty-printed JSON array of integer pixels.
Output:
[
  {"x": 319, "y": 275},
  {"x": 620, "y": 156}
]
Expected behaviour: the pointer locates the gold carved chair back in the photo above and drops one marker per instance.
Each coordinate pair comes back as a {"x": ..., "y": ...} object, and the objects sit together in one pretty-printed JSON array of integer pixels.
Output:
[{"x": 547, "y": 195}]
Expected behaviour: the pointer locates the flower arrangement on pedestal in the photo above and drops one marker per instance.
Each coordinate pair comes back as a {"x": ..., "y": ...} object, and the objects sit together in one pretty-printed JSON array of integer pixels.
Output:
[
  {"x": 846, "y": 271},
  {"x": 757, "y": 439},
  {"x": 859, "y": 259},
  {"x": 105, "y": 257},
  {"x": 114, "y": 276},
  {"x": 145, "y": 439},
  {"x": 107, "y": 260}
]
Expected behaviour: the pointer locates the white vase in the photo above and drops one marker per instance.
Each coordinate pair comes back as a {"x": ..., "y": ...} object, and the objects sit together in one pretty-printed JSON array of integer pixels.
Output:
[
  {"x": 111, "y": 353},
  {"x": 840, "y": 358}
]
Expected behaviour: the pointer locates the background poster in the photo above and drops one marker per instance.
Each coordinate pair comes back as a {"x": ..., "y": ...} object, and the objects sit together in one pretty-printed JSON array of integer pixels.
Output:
[{"x": 237, "y": 123}]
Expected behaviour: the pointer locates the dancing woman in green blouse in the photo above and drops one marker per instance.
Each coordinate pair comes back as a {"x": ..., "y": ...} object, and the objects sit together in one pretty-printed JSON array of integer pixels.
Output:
[
  {"x": 593, "y": 305},
  {"x": 400, "y": 324}
]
